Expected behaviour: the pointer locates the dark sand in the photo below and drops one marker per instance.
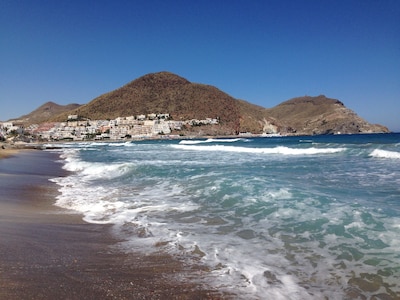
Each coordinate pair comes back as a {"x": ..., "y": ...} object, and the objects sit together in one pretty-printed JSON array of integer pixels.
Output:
[{"x": 48, "y": 253}]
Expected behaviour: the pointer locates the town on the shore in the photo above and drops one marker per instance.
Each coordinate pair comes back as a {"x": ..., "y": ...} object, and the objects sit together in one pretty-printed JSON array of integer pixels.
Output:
[{"x": 77, "y": 128}]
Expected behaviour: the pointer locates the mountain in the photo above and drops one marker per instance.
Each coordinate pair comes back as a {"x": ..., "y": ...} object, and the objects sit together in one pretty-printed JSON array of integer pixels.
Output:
[
  {"x": 45, "y": 112},
  {"x": 320, "y": 115},
  {"x": 165, "y": 92}
]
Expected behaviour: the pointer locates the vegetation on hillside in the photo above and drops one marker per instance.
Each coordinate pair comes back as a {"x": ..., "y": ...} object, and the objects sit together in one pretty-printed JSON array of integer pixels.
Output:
[
  {"x": 45, "y": 112},
  {"x": 165, "y": 92},
  {"x": 320, "y": 115}
]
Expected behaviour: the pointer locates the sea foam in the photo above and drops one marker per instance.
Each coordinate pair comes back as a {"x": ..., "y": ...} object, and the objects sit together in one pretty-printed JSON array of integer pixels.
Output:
[
  {"x": 378, "y": 153},
  {"x": 296, "y": 227},
  {"x": 275, "y": 150},
  {"x": 194, "y": 142}
]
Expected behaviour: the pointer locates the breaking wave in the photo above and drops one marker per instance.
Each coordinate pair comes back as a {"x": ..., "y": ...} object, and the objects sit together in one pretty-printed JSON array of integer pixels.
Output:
[
  {"x": 194, "y": 142},
  {"x": 378, "y": 153},
  {"x": 274, "y": 150}
]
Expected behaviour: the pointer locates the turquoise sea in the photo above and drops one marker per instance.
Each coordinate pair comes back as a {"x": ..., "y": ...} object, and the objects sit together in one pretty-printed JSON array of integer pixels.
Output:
[{"x": 310, "y": 217}]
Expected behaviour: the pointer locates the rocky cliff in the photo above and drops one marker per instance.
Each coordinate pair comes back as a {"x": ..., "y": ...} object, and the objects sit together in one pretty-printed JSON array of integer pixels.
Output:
[{"x": 320, "y": 115}]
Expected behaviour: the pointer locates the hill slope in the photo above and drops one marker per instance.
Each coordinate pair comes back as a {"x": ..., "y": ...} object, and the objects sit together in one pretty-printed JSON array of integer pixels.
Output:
[
  {"x": 45, "y": 112},
  {"x": 165, "y": 92},
  {"x": 320, "y": 115}
]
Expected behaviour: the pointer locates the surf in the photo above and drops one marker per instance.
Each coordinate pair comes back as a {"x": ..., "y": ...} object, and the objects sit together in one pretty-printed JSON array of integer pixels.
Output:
[
  {"x": 274, "y": 150},
  {"x": 378, "y": 153},
  {"x": 194, "y": 142},
  {"x": 268, "y": 218}
]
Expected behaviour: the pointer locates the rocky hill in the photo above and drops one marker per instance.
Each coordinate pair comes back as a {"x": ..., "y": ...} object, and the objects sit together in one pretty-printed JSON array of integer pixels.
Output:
[
  {"x": 165, "y": 92},
  {"x": 45, "y": 112},
  {"x": 320, "y": 115}
]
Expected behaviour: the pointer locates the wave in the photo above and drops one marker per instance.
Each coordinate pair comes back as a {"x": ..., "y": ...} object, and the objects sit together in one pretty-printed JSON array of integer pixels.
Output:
[
  {"x": 100, "y": 170},
  {"x": 94, "y": 170},
  {"x": 103, "y": 144},
  {"x": 378, "y": 153},
  {"x": 121, "y": 144},
  {"x": 275, "y": 150},
  {"x": 194, "y": 142},
  {"x": 179, "y": 201}
]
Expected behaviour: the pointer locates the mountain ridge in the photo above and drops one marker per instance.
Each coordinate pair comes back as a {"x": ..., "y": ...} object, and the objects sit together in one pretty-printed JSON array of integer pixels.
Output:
[
  {"x": 321, "y": 115},
  {"x": 165, "y": 92},
  {"x": 45, "y": 112}
]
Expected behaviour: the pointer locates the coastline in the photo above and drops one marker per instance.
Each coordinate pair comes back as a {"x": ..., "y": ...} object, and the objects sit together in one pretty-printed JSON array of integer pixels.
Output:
[
  {"x": 7, "y": 151},
  {"x": 49, "y": 253},
  {"x": 10, "y": 149}
]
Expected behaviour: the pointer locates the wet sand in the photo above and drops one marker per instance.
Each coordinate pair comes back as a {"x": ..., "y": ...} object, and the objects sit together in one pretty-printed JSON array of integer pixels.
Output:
[
  {"x": 48, "y": 253},
  {"x": 4, "y": 153}
]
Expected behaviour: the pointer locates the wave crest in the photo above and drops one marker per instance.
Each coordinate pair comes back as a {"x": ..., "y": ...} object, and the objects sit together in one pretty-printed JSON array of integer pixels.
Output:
[
  {"x": 275, "y": 150},
  {"x": 378, "y": 153},
  {"x": 94, "y": 170},
  {"x": 194, "y": 142}
]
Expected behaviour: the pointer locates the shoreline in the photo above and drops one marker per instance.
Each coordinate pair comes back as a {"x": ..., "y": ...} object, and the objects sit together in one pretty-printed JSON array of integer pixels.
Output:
[
  {"x": 8, "y": 151},
  {"x": 9, "y": 148},
  {"x": 49, "y": 253}
]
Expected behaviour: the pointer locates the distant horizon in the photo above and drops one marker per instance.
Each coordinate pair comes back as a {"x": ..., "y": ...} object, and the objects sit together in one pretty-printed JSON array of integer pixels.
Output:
[{"x": 264, "y": 52}]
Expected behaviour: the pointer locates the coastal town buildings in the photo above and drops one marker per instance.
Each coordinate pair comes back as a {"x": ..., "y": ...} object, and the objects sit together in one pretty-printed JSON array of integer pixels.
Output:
[{"x": 76, "y": 128}]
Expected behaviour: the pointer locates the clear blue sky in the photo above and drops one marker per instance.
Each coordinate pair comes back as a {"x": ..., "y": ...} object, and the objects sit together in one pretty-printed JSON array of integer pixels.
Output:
[{"x": 261, "y": 51}]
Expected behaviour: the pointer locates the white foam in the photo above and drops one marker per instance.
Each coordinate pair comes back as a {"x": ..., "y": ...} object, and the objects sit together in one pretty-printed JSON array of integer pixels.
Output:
[
  {"x": 378, "y": 153},
  {"x": 194, "y": 142},
  {"x": 98, "y": 170},
  {"x": 274, "y": 150},
  {"x": 121, "y": 144},
  {"x": 260, "y": 236},
  {"x": 273, "y": 195},
  {"x": 111, "y": 204},
  {"x": 93, "y": 170}
]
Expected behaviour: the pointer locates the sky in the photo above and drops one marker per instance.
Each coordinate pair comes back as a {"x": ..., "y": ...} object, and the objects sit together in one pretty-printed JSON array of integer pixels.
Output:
[{"x": 261, "y": 51}]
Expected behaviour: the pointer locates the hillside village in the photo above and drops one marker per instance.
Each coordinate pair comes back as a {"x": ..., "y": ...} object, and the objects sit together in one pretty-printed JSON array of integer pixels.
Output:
[
  {"x": 135, "y": 111},
  {"x": 77, "y": 128}
]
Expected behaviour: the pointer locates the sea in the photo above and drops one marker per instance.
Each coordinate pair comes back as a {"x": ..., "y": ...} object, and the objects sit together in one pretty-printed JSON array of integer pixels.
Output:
[{"x": 300, "y": 217}]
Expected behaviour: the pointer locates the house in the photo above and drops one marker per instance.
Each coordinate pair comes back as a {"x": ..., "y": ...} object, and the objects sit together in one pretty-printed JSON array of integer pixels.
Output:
[
  {"x": 163, "y": 116},
  {"x": 151, "y": 116}
]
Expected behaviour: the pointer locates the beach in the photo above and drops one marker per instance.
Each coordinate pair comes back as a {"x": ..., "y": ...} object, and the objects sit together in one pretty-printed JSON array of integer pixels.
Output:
[
  {"x": 47, "y": 252},
  {"x": 263, "y": 218},
  {"x": 7, "y": 152}
]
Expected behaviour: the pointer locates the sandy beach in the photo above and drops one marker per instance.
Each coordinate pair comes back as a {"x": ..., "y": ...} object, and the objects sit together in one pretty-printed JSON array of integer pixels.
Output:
[
  {"x": 8, "y": 152},
  {"x": 48, "y": 253}
]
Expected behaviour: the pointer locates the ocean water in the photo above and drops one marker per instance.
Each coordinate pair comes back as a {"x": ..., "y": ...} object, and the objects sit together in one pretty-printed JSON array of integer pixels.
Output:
[{"x": 311, "y": 217}]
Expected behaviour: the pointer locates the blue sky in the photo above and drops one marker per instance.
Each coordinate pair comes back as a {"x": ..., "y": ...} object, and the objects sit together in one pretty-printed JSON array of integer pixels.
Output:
[{"x": 261, "y": 51}]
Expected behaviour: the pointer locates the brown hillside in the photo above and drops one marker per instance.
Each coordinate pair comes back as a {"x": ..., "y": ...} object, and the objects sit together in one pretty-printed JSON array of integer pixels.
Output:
[
  {"x": 320, "y": 115},
  {"x": 255, "y": 119},
  {"x": 164, "y": 92},
  {"x": 45, "y": 112}
]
